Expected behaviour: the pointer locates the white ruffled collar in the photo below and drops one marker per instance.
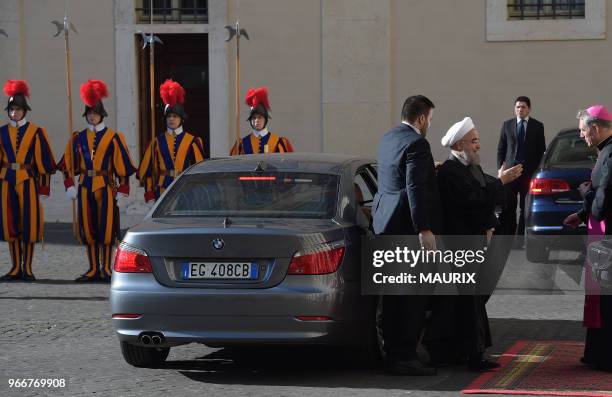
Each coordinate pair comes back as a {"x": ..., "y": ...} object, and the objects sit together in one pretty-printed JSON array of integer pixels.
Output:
[
  {"x": 178, "y": 131},
  {"x": 96, "y": 128},
  {"x": 261, "y": 133},
  {"x": 18, "y": 124}
]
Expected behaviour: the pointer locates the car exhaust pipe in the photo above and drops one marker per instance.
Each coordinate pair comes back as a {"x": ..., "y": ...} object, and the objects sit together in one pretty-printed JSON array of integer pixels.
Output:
[{"x": 151, "y": 338}]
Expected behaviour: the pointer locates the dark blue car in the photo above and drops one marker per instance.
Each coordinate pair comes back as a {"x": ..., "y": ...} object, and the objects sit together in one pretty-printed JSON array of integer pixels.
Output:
[{"x": 553, "y": 194}]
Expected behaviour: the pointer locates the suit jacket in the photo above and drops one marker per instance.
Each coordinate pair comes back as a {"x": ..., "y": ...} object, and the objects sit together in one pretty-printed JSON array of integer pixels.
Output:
[
  {"x": 468, "y": 208},
  {"x": 535, "y": 145},
  {"x": 408, "y": 200}
]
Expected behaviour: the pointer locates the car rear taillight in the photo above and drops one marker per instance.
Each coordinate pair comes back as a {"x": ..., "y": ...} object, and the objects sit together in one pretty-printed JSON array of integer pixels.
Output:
[
  {"x": 548, "y": 186},
  {"x": 124, "y": 316},
  {"x": 131, "y": 260},
  {"x": 257, "y": 178},
  {"x": 313, "y": 318},
  {"x": 324, "y": 259}
]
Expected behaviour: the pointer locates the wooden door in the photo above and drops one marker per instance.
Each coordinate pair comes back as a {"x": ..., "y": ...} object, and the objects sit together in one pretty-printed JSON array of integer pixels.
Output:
[{"x": 182, "y": 58}]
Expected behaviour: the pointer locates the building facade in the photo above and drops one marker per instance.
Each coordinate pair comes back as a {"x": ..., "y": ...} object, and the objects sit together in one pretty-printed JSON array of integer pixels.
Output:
[{"x": 338, "y": 71}]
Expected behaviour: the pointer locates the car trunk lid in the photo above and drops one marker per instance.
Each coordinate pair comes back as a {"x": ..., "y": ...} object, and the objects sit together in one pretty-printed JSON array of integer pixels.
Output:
[{"x": 228, "y": 253}]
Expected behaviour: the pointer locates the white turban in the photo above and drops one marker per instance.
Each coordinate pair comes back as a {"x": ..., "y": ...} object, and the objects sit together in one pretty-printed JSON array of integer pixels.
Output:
[{"x": 457, "y": 131}]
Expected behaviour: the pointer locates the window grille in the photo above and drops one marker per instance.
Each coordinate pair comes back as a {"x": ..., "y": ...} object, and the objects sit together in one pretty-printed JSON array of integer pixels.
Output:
[
  {"x": 546, "y": 9},
  {"x": 172, "y": 11}
]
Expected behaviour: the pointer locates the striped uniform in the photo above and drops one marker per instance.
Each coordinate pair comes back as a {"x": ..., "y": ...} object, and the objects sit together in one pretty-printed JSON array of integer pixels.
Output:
[
  {"x": 165, "y": 158},
  {"x": 103, "y": 164},
  {"x": 270, "y": 143},
  {"x": 26, "y": 166}
]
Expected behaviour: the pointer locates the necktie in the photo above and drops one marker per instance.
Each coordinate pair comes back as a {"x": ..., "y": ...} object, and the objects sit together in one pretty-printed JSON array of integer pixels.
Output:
[
  {"x": 521, "y": 131},
  {"x": 520, "y": 144}
]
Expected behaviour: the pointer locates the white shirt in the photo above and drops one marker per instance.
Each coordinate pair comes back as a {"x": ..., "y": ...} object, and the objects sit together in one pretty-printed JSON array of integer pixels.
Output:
[
  {"x": 96, "y": 128},
  {"x": 177, "y": 132},
  {"x": 261, "y": 133},
  {"x": 18, "y": 124},
  {"x": 526, "y": 120},
  {"x": 413, "y": 127}
]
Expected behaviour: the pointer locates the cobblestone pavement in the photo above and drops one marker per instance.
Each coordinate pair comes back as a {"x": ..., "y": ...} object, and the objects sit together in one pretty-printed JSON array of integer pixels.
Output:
[{"x": 55, "y": 328}]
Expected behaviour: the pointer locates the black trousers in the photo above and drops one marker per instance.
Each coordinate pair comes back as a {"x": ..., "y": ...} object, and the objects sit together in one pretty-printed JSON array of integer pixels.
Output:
[
  {"x": 516, "y": 192},
  {"x": 403, "y": 319},
  {"x": 460, "y": 328}
]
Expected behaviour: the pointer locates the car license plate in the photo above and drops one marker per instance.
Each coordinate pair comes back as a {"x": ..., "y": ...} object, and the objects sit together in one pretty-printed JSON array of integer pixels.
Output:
[{"x": 219, "y": 271}]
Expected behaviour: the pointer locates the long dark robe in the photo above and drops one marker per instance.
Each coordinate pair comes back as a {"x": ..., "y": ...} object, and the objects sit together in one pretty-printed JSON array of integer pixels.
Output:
[
  {"x": 598, "y": 308},
  {"x": 468, "y": 199}
]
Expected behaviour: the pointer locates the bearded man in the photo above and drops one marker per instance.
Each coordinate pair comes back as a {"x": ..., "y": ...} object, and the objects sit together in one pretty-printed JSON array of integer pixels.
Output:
[{"x": 468, "y": 198}]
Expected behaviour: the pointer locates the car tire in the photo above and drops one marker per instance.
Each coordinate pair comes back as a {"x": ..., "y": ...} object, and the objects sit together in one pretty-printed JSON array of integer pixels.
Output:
[
  {"x": 147, "y": 357},
  {"x": 535, "y": 251}
]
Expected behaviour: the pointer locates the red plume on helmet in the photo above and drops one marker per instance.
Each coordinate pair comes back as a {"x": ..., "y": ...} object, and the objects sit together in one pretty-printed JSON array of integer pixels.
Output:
[
  {"x": 93, "y": 91},
  {"x": 256, "y": 97},
  {"x": 17, "y": 91},
  {"x": 16, "y": 87},
  {"x": 173, "y": 96},
  {"x": 171, "y": 93}
]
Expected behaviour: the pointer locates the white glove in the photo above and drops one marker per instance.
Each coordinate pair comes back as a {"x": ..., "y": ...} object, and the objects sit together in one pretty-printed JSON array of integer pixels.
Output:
[
  {"x": 71, "y": 193},
  {"x": 121, "y": 199}
]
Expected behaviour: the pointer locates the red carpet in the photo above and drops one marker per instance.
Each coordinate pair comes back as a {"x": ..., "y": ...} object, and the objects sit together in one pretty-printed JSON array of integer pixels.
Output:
[{"x": 543, "y": 368}]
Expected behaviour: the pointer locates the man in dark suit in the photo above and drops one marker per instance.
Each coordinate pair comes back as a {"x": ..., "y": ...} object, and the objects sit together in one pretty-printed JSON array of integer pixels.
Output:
[
  {"x": 407, "y": 203},
  {"x": 521, "y": 141}
]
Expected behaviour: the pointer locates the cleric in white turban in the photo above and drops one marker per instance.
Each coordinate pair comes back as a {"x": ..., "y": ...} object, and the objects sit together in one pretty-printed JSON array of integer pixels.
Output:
[
  {"x": 457, "y": 132},
  {"x": 468, "y": 199}
]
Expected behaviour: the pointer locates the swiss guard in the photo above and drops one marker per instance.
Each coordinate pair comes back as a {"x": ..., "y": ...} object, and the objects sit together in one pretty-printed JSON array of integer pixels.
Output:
[
  {"x": 99, "y": 156},
  {"x": 172, "y": 151},
  {"x": 26, "y": 165},
  {"x": 260, "y": 140}
]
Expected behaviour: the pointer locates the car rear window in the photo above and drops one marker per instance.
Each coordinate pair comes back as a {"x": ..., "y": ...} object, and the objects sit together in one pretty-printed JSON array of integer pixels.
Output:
[
  {"x": 571, "y": 149},
  {"x": 252, "y": 194}
]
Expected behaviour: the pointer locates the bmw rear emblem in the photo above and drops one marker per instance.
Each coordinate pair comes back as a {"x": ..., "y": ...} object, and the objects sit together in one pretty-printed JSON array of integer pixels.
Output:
[{"x": 218, "y": 243}]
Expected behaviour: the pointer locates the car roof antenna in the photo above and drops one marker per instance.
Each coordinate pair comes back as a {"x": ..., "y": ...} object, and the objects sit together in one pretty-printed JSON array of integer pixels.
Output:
[{"x": 226, "y": 222}]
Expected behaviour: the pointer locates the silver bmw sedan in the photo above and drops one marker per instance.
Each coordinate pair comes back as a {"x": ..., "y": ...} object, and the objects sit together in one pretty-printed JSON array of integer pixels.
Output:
[{"x": 249, "y": 250}]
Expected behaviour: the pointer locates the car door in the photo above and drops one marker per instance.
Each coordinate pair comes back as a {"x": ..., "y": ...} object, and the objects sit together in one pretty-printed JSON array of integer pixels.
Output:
[{"x": 365, "y": 189}]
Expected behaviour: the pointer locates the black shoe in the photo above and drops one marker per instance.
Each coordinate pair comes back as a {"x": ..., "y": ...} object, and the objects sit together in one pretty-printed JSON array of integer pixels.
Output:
[
  {"x": 594, "y": 366},
  {"x": 482, "y": 364},
  {"x": 28, "y": 277},
  {"x": 11, "y": 277},
  {"x": 105, "y": 278},
  {"x": 409, "y": 367},
  {"x": 86, "y": 279}
]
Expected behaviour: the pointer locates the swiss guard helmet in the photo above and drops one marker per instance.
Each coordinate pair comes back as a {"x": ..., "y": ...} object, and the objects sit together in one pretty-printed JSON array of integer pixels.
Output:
[
  {"x": 17, "y": 91},
  {"x": 257, "y": 100},
  {"x": 92, "y": 92},
  {"x": 173, "y": 96}
]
